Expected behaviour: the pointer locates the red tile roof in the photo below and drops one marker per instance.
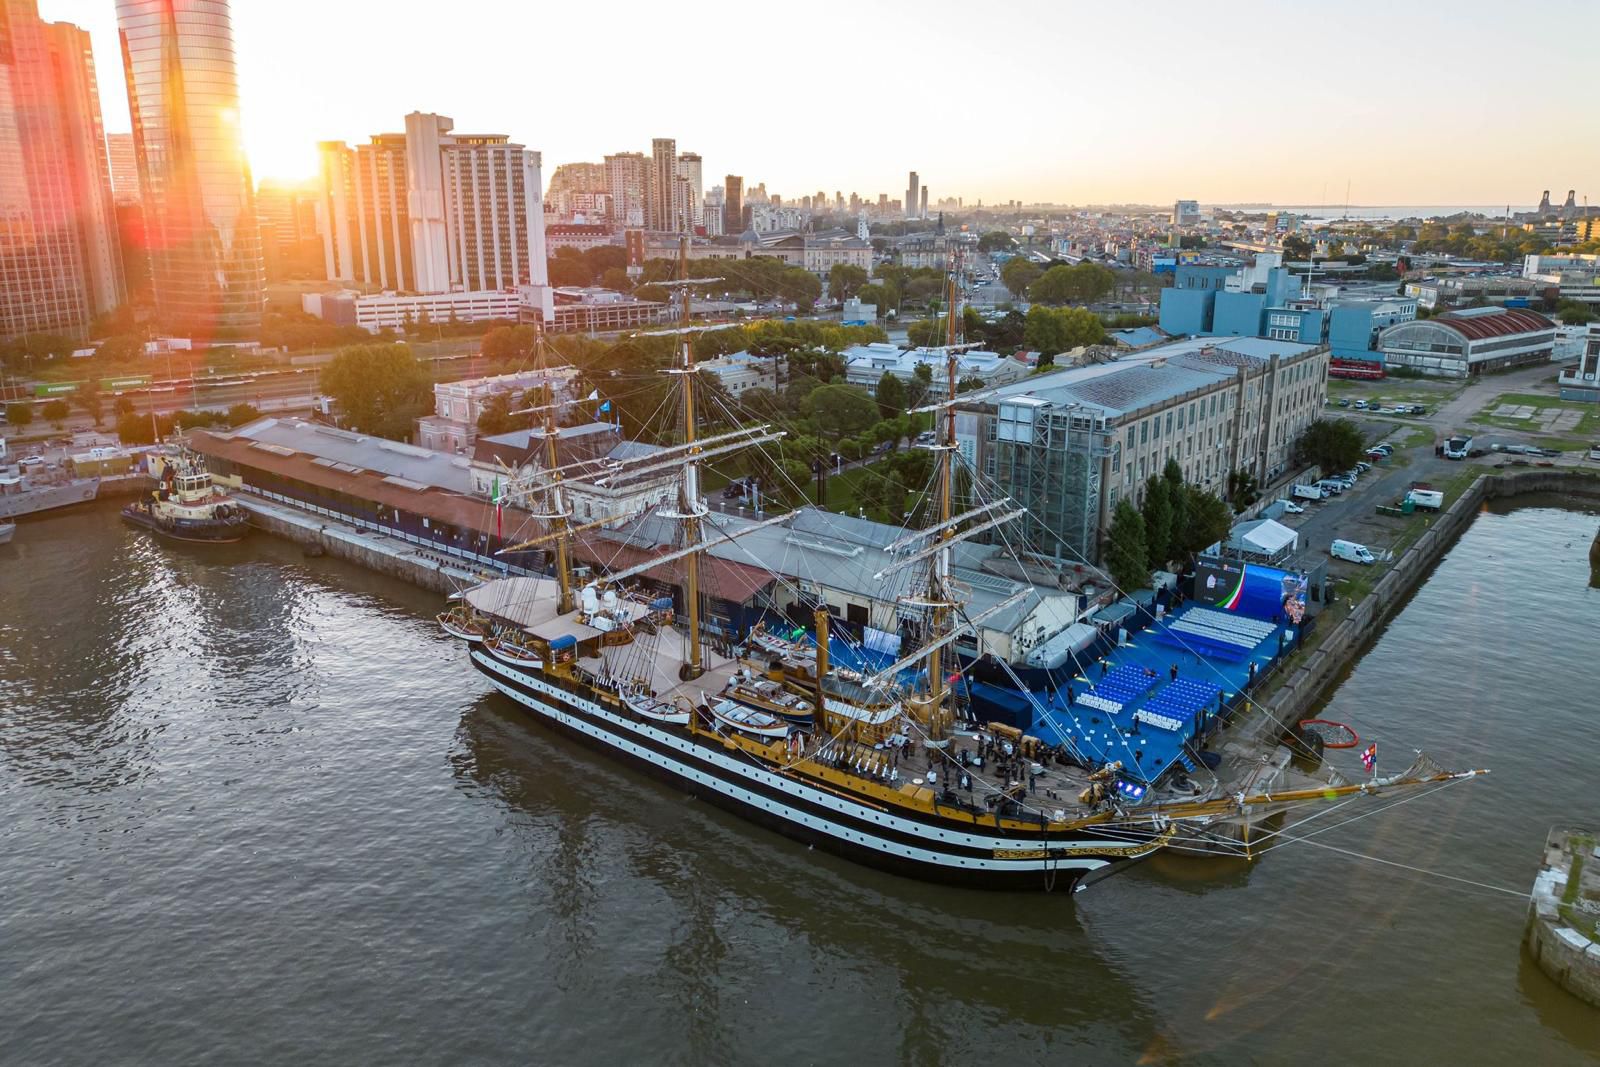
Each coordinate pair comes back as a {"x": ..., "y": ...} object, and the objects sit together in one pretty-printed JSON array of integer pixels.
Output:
[{"x": 1500, "y": 324}]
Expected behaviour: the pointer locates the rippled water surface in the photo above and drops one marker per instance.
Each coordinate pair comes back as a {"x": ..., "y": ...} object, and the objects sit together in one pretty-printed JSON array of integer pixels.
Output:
[{"x": 256, "y": 808}]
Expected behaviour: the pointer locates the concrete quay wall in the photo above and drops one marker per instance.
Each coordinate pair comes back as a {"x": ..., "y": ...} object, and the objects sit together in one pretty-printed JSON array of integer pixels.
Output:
[
  {"x": 1568, "y": 956},
  {"x": 1299, "y": 692},
  {"x": 396, "y": 559}
]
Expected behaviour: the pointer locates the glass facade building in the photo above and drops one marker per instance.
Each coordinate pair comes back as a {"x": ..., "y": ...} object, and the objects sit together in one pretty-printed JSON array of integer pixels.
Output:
[{"x": 203, "y": 239}]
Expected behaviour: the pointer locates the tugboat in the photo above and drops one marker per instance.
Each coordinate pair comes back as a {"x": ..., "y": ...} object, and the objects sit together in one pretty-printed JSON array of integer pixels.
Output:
[{"x": 187, "y": 505}]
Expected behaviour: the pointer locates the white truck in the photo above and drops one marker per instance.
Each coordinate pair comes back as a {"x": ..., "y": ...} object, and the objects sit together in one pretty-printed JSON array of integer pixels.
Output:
[
  {"x": 1306, "y": 492},
  {"x": 1427, "y": 499},
  {"x": 1352, "y": 552}
]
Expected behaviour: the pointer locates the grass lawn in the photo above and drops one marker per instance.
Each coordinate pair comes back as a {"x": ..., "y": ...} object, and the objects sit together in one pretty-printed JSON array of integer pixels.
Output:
[
  {"x": 1579, "y": 920},
  {"x": 1391, "y": 391}
]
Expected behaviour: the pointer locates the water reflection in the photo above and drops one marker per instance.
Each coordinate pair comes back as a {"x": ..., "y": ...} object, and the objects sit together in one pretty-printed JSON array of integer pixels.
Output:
[{"x": 710, "y": 881}]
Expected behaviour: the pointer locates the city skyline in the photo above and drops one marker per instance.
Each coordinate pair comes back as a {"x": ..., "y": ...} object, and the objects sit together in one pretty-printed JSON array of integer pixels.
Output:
[{"x": 1091, "y": 123}]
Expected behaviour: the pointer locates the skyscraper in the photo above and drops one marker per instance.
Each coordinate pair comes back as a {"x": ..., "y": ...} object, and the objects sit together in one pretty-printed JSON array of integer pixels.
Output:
[
  {"x": 494, "y": 203},
  {"x": 59, "y": 257},
  {"x": 206, "y": 269},
  {"x": 363, "y": 213},
  {"x": 662, "y": 184},
  {"x": 911, "y": 197},
  {"x": 124, "y": 168},
  {"x": 627, "y": 177},
  {"x": 923, "y": 208},
  {"x": 692, "y": 213},
  {"x": 733, "y": 205}
]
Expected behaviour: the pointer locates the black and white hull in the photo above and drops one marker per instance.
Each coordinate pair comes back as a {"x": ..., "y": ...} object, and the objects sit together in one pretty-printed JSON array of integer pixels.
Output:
[{"x": 925, "y": 848}]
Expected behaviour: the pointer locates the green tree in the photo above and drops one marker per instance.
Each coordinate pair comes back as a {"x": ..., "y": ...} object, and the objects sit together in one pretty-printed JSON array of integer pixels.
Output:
[
  {"x": 19, "y": 414},
  {"x": 1178, "y": 498},
  {"x": 1296, "y": 247},
  {"x": 509, "y": 344},
  {"x": 1242, "y": 489},
  {"x": 920, "y": 386},
  {"x": 87, "y": 397},
  {"x": 381, "y": 389},
  {"x": 1332, "y": 444},
  {"x": 56, "y": 411},
  {"x": 616, "y": 278},
  {"x": 137, "y": 429},
  {"x": 1157, "y": 515},
  {"x": 845, "y": 280},
  {"x": 1574, "y": 312},
  {"x": 121, "y": 348},
  {"x": 240, "y": 414},
  {"x": 123, "y": 405},
  {"x": 891, "y": 396},
  {"x": 878, "y": 296},
  {"x": 1079, "y": 284},
  {"x": 1055, "y": 330},
  {"x": 996, "y": 241},
  {"x": 840, "y": 410},
  {"x": 496, "y": 416},
  {"x": 1127, "y": 553},
  {"x": 1207, "y": 520},
  {"x": 1018, "y": 274}
]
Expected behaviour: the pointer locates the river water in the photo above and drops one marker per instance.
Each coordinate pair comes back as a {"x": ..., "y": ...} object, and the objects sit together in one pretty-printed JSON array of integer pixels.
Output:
[{"x": 257, "y": 808}]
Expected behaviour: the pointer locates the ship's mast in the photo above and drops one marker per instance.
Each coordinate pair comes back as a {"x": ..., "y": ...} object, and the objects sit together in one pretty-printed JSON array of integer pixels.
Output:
[
  {"x": 557, "y": 503},
  {"x": 691, "y": 479},
  {"x": 939, "y": 576}
]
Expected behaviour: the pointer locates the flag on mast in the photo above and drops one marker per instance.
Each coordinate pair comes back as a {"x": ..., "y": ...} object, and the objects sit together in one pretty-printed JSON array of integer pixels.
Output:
[
  {"x": 1369, "y": 758},
  {"x": 499, "y": 504}
]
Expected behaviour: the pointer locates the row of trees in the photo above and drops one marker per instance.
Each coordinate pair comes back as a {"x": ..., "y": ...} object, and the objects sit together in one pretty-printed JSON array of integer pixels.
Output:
[
  {"x": 1053, "y": 330},
  {"x": 1176, "y": 521},
  {"x": 1081, "y": 283}
]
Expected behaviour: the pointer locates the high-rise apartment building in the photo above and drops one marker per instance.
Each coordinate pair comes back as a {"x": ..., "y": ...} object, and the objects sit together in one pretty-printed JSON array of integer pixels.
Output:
[
  {"x": 124, "y": 168},
  {"x": 627, "y": 177},
  {"x": 911, "y": 196},
  {"x": 923, "y": 207},
  {"x": 662, "y": 184},
  {"x": 692, "y": 213},
  {"x": 59, "y": 255},
  {"x": 363, "y": 213},
  {"x": 733, "y": 204},
  {"x": 433, "y": 211},
  {"x": 574, "y": 187},
  {"x": 495, "y": 212},
  {"x": 206, "y": 269}
]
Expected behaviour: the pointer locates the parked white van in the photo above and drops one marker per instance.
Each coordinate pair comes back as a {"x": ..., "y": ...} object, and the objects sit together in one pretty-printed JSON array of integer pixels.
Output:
[
  {"x": 1306, "y": 492},
  {"x": 1354, "y": 553},
  {"x": 1330, "y": 487}
]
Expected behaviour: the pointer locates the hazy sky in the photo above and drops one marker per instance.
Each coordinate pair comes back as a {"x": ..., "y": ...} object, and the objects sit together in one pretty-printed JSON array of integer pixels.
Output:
[{"x": 1410, "y": 103}]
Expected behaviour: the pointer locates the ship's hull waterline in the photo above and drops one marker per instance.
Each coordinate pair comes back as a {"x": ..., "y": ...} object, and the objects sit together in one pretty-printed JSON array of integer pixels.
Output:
[{"x": 826, "y": 819}]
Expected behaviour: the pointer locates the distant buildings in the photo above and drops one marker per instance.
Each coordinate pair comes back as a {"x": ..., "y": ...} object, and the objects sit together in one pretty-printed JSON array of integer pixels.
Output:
[
  {"x": 60, "y": 261},
  {"x": 1465, "y": 343},
  {"x": 627, "y": 176},
  {"x": 1186, "y": 213},
  {"x": 396, "y": 311},
  {"x": 432, "y": 211},
  {"x": 200, "y": 223},
  {"x": 1459, "y": 290},
  {"x": 733, "y": 216},
  {"x": 1571, "y": 277},
  {"x": 911, "y": 196},
  {"x": 741, "y": 371}
]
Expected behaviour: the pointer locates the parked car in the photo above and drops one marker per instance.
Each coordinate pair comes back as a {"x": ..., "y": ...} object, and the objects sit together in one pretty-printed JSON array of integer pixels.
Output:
[
  {"x": 1343, "y": 402},
  {"x": 1361, "y": 405},
  {"x": 1362, "y": 468}
]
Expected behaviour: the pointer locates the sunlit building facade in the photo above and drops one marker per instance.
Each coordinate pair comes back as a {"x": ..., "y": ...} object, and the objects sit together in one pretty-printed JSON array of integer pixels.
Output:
[
  {"x": 206, "y": 267},
  {"x": 59, "y": 257}
]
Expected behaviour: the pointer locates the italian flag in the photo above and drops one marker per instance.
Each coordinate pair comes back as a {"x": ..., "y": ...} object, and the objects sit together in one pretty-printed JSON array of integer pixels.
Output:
[{"x": 499, "y": 504}]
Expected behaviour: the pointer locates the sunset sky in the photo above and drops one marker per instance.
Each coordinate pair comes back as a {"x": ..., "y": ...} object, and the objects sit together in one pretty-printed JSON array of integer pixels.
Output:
[{"x": 1466, "y": 103}]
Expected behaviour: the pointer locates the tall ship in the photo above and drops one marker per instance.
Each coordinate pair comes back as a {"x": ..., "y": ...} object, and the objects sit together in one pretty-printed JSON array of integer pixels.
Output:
[
  {"x": 877, "y": 759},
  {"x": 33, "y": 486},
  {"x": 187, "y": 504}
]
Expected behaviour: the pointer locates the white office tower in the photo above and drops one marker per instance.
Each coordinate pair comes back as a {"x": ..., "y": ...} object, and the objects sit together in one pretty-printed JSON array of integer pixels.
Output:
[{"x": 425, "y": 200}]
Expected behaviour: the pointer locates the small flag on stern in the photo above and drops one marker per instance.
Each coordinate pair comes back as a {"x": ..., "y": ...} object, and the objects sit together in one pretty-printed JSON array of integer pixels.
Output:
[{"x": 1369, "y": 757}]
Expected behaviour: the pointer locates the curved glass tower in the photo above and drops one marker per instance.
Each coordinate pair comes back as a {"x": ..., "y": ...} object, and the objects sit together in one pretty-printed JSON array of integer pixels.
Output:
[{"x": 200, "y": 222}]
